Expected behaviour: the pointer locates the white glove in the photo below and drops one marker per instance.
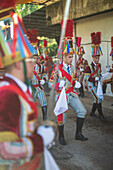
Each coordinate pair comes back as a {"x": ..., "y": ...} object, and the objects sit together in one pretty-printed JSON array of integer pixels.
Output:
[
  {"x": 81, "y": 69},
  {"x": 77, "y": 84},
  {"x": 42, "y": 82},
  {"x": 96, "y": 78},
  {"x": 108, "y": 69},
  {"x": 62, "y": 83},
  {"x": 47, "y": 134}
]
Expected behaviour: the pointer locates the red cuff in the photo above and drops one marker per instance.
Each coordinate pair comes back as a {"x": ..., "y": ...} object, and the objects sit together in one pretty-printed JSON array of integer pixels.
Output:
[{"x": 37, "y": 143}]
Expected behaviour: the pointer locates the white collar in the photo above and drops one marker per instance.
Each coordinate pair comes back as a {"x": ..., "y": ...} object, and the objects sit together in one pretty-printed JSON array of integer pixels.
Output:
[
  {"x": 65, "y": 65},
  {"x": 19, "y": 82}
]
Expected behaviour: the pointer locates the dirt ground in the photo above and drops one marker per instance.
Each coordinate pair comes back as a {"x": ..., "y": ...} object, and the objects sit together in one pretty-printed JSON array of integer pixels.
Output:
[{"x": 94, "y": 154}]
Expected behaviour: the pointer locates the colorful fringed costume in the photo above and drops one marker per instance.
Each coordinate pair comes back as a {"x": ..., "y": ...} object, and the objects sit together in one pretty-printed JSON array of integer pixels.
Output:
[
  {"x": 94, "y": 70},
  {"x": 19, "y": 144},
  {"x": 70, "y": 77},
  {"x": 48, "y": 66},
  {"x": 93, "y": 76},
  {"x": 71, "y": 93},
  {"x": 38, "y": 76},
  {"x": 91, "y": 72},
  {"x": 81, "y": 63},
  {"x": 64, "y": 77},
  {"x": 39, "y": 90}
]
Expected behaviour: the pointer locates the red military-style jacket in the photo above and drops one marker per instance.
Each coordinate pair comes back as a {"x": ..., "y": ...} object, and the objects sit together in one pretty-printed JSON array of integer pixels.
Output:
[
  {"x": 18, "y": 125},
  {"x": 93, "y": 71}
]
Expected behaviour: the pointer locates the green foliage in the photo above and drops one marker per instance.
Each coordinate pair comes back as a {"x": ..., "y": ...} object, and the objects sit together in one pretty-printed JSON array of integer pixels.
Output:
[
  {"x": 53, "y": 48},
  {"x": 25, "y": 9}
]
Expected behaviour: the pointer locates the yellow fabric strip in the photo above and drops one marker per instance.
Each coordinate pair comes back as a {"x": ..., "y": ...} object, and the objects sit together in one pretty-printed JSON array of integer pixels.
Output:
[{"x": 8, "y": 136}]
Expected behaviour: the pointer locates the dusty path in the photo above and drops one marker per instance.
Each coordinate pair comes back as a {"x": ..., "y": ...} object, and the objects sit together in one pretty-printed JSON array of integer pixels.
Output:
[{"x": 94, "y": 154}]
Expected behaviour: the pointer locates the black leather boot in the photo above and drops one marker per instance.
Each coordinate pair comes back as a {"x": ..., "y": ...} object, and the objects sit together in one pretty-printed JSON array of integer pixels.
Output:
[
  {"x": 81, "y": 89},
  {"x": 93, "y": 110},
  {"x": 99, "y": 108},
  {"x": 61, "y": 135},
  {"x": 44, "y": 112},
  {"x": 79, "y": 135}
]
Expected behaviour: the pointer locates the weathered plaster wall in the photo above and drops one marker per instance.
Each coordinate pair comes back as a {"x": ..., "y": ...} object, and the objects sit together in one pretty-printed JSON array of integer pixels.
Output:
[
  {"x": 101, "y": 23},
  {"x": 78, "y": 9}
]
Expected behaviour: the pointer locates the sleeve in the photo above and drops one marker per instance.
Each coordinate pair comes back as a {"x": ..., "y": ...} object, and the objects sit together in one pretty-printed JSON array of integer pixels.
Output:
[
  {"x": 88, "y": 74},
  {"x": 75, "y": 78},
  {"x": 12, "y": 145}
]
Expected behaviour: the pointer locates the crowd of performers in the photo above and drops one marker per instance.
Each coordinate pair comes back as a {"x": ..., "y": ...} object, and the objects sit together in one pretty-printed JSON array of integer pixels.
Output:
[
  {"x": 65, "y": 75},
  {"x": 23, "y": 142}
]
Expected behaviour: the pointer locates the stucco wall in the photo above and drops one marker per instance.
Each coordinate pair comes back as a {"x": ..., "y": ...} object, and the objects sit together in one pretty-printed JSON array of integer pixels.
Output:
[
  {"x": 102, "y": 23},
  {"x": 78, "y": 9}
]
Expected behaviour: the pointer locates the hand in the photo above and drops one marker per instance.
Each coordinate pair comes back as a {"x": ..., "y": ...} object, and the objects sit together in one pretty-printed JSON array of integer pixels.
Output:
[
  {"x": 81, "y": 69},
  {"x": 77, "y": 84},
  {"x": 108, "y": 69},
  {"x": 96, "y": 78},
  {"x": 42, "y": 82},
  {"x": 62, "y": 83},
  {"x": 47, "y": 134}
]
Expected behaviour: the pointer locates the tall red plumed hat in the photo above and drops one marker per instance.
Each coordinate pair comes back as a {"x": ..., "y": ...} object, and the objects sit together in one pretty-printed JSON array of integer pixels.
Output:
[
  {"x": 68, "y": 47},
  {"x": 80, "y": 49},
  {"x": 69, "y": 28},
  {"x": 96, "y": 41}
]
